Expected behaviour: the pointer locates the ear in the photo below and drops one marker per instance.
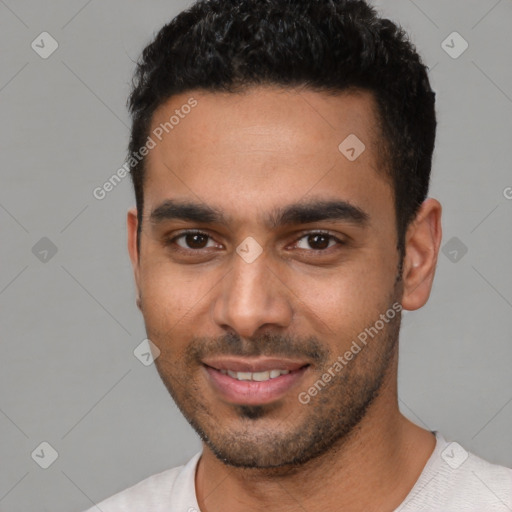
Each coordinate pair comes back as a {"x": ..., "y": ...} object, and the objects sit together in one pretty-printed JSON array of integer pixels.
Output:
[
  {"x": 132, "y": 226},
  {"x": 422, "y": 243}
]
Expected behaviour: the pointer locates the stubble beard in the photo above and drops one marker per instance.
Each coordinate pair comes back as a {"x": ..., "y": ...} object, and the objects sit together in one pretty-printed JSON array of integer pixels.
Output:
[{"x": 326, "y": 421}]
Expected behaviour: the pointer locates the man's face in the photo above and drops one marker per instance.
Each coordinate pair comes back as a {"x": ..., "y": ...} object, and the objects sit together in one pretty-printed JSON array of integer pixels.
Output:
[{"x": 257, "y": 291}]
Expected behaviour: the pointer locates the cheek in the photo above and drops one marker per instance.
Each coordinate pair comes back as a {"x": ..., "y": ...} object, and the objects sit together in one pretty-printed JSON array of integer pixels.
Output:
[
  {"x": 168, "y": 294},
  {"x": 341, "y": 302}
]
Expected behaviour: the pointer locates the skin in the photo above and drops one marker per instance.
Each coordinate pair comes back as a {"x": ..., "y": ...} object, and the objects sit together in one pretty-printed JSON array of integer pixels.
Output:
[{"x": 247, "y": 154}]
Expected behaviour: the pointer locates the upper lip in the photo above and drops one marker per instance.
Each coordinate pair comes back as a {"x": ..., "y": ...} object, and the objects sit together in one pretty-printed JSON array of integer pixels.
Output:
[{"x": 260, "y": 364}]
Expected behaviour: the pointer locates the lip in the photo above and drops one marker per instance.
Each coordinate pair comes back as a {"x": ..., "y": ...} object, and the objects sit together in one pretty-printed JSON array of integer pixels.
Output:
[
  {"x": 252, "y": 392},
  {"x": 261, "y": 364}
]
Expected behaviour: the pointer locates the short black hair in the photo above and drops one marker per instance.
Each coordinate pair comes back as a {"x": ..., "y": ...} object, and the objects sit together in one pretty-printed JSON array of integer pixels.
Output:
[{"x": 326, "y": 45}]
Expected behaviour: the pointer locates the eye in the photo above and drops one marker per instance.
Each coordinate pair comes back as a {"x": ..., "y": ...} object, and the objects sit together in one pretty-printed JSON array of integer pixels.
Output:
[
  {"x": 192, "y": 240},
  {"x": 196, "y": 241},
  {"x": 318, "y": 241}
]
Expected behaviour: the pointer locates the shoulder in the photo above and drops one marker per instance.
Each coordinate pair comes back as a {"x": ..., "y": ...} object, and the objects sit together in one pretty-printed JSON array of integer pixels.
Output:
[
  {"x": 456, "y": 480},
  {"x": 478, "y": 481},
  {"x": 173, "y": 486}
]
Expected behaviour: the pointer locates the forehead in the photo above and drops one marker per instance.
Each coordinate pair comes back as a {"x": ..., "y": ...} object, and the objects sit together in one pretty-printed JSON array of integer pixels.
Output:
[
  {"x": 264, "y": 145},
  {"x": 303, "y": 118}
]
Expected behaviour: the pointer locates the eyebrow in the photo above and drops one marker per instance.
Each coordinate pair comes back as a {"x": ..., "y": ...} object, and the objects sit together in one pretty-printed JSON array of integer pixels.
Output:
[{"x": 298, "y": 213}]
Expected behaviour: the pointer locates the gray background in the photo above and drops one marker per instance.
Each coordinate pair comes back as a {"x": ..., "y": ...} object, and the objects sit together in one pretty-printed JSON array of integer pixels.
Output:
[{"x": 69, "y": 322}]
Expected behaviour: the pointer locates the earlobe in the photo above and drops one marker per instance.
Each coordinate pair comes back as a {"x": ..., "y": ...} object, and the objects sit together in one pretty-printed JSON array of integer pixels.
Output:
[{"x": 422, "y": 243}]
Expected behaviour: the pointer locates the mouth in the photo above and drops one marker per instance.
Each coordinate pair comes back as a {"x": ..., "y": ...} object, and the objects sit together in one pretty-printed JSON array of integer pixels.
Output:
[{"x": 253, "y": 381}]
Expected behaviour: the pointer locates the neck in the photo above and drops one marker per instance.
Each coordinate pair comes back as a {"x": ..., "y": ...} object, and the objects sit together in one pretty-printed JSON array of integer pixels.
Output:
[{"x": 372, "y": 469}]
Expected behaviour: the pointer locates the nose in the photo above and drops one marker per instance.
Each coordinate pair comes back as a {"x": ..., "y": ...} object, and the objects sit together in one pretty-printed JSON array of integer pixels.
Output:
[{"x": 252, "y": 297}]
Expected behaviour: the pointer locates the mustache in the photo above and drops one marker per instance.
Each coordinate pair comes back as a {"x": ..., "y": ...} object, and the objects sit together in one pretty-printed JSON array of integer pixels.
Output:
[{"x": 267, "y": 344}]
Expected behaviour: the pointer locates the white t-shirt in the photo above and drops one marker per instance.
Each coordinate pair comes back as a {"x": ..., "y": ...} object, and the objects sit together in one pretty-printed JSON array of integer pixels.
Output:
[{"x": 453, "y": 480}]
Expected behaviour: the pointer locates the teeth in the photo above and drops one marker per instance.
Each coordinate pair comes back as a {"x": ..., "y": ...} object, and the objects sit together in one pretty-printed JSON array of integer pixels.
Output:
[
  {"x": 260, "y": 376},
  {"x": 255, "y": 376}
]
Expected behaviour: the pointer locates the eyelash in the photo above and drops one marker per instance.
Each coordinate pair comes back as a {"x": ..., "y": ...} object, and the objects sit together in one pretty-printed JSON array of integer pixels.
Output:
[{"x": 171, "y": 241}]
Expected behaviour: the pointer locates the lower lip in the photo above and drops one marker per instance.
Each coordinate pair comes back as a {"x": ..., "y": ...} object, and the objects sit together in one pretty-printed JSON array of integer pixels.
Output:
[{"x": 248, "y": 392}]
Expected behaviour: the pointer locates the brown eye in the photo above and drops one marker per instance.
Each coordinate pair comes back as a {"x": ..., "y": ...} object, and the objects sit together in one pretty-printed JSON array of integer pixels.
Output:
[
  {"x": 196, "y": 241},
  {"x": 192, "y": 240},
  {"x": 317, "y": 241}
]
